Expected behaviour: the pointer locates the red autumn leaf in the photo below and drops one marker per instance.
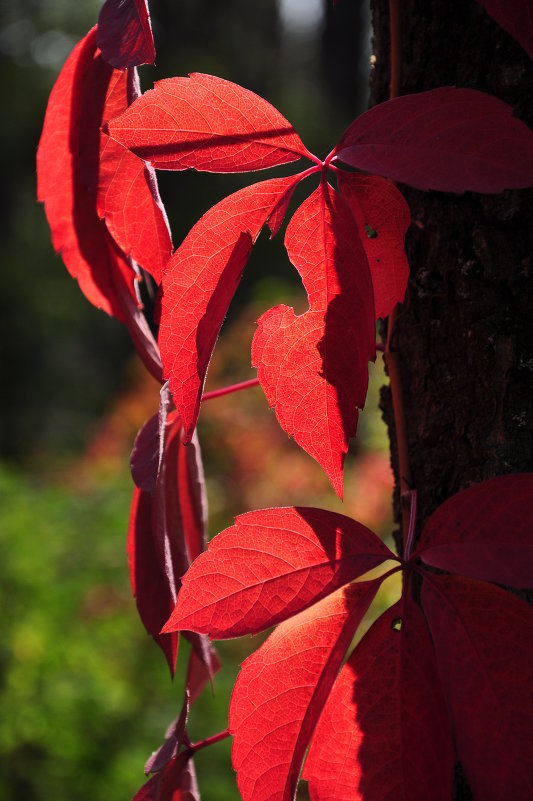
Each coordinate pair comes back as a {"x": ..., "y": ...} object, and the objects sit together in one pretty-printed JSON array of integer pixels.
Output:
[
  {"x": 200, "y": 281},
  {"x": 270, "y": 565},
  {"x": 384, "y": 731},
  {"x": 144, "y": 460},
  {"x": 313, "y": 367},
  {"x": 382, "y": 217},
  {"x": 515, "y": 17},
  {"x": 206, "y": 123},
  {"x": 79, "y": 170},
  {"x": 127, "y": 196},
  {"x": 448, "y": 139},
  {"x": 482, "y": 639},
  {"x": 160, "y": 536},
  {"x": 484, "y": 532},
  {"x": 282, "y": 688},
  {"x": 177, "y": 782},
  {"x": 148, "y": 582},
  {"x": 82, "y": 239},
  {"x": 125, "y": 33}
]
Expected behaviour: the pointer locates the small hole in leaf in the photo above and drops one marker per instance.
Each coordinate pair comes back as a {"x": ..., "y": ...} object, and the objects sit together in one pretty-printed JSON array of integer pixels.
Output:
[
  {"x": 396, "y": 624},
  {"x": 370, "y": 232}
]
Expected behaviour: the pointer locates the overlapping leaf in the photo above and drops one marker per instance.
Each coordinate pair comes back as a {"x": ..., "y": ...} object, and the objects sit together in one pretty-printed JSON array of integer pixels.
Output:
[
  {"x": 314, "y": 367},
  {"x": 127, "y": 197},
  {"x": 385, "y": 732},
  {"x": 167, "y": 530},
  {"x": 209, "y": 124},
  {"x": 87, "y": 183},
  {"x": 382, "y": 217},
  {"x": 125, "y": 33},
  {"x": 271, "y": 564},
  {"x": 77, "y": 233},
  {"x": 448, "y": 139},
  {"x": 282, "y": 688},
  {"x": 200, "y": 281}
]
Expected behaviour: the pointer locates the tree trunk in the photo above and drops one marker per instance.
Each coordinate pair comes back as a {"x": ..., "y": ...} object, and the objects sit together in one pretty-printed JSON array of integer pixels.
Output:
[{"x": 463, "y": 332}]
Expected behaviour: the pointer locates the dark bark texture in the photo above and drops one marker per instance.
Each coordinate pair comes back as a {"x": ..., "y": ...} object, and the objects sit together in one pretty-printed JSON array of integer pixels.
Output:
[{"x": 464, "y": 332}]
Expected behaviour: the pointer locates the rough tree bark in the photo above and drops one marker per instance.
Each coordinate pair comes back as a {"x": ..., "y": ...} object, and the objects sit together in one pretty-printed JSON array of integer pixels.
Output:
[{"x": 463, "y": 333}]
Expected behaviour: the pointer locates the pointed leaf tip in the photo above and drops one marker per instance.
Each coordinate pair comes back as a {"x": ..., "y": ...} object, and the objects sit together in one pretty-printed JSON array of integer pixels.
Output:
[{"x": 384, "y": 731}]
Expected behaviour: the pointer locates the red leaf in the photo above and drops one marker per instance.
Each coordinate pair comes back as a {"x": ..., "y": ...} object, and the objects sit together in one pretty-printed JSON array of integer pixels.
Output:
[
  {"x": 167, "y": 523},
  {"x": 272, "y": 564},
  {"x": 125, "y": 33},
  {"x": 159, "y": 537},
  {"x": 200, "y": 281},
  {"x": 384, "y": 731},
  {"x": 82, "y": 239},
  {"x": 127, "y": 193},
  {"x": 177, "y": 782},
  {"x": 282, "y": 688},
  {"x": 79, "y": 170},
  {"x": 448, "y": 139},
  {"x": 484, "y": 532},
  {"x": 148, "y": 583},
  {"x": 515, "y": 17},
  {"x": 314, "y": 367},
  {"x": 208, "y": 124},
  {"x": 482, "y": 638},
  {"x": 144, "y": 460},
  {"x": 382, "y": 217}
]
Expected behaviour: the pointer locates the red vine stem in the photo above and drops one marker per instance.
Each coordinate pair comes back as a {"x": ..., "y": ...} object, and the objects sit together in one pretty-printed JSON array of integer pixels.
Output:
[
  {"x": 390, "y": 354},
  {"x": 217, "y": 393},
  {"x": 395, "y": 48},
  {"x": 215, "y": 738}
]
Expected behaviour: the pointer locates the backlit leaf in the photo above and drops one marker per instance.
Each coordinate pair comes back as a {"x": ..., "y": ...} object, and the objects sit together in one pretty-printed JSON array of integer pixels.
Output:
[
  {"x": 384, "y": 732},
  {"x": 78, "y": 234},
  {"x": 127, "y": 194},
  {"x": 282, "y": 688},
  {"x": 206, "y": 123},
  {"x": 270, "y": 565},
  {"x": 314, "y": 367},
  {"x": 199, "y": 282}
]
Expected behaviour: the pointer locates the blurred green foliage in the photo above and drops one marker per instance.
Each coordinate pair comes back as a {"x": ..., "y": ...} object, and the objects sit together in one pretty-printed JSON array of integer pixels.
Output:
[{"x": 85, "y": 694}]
